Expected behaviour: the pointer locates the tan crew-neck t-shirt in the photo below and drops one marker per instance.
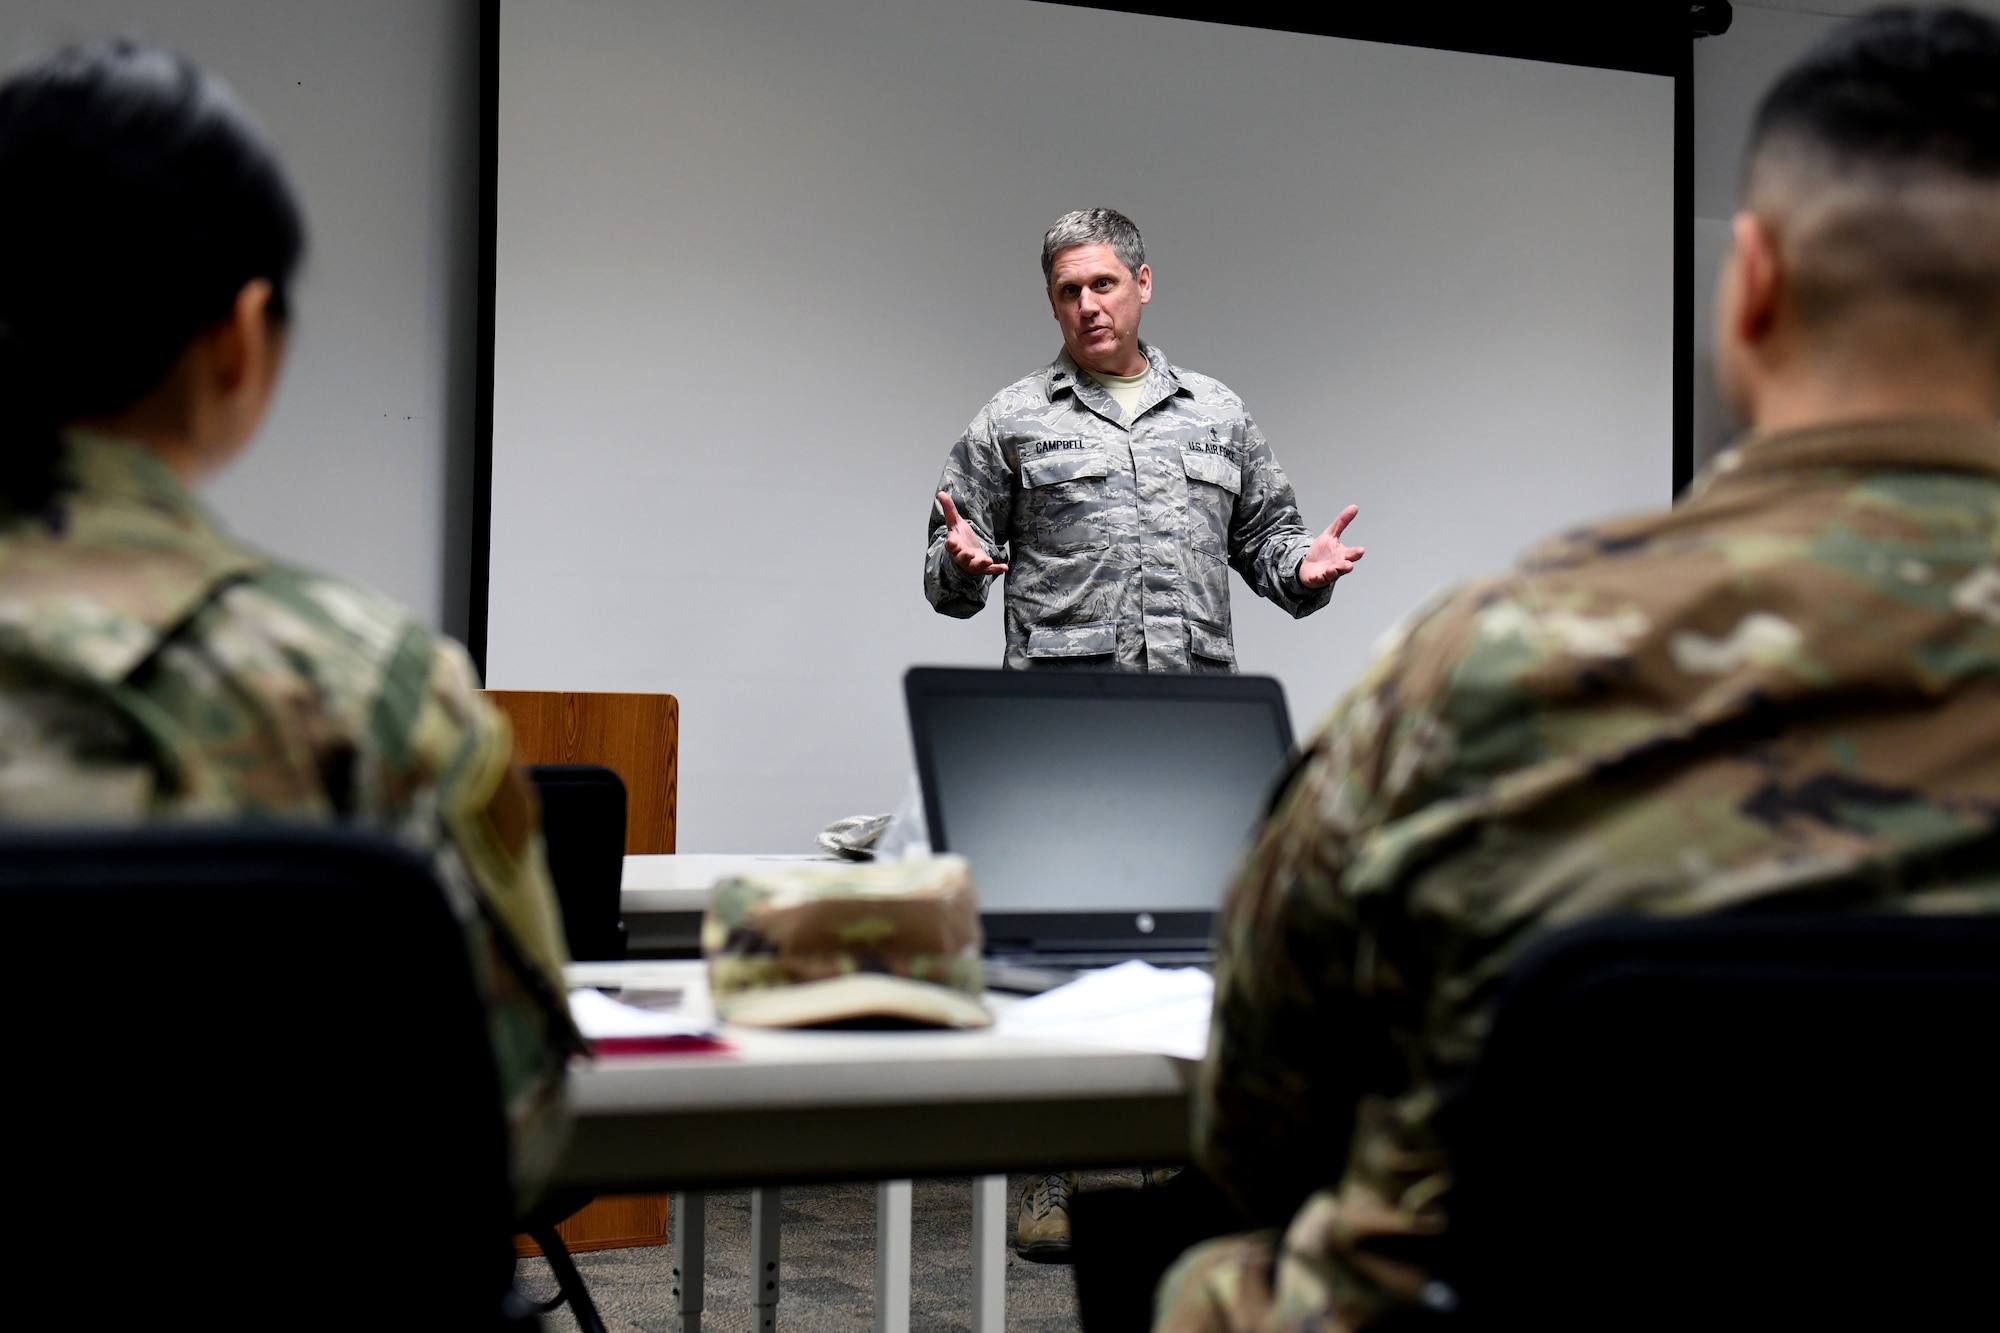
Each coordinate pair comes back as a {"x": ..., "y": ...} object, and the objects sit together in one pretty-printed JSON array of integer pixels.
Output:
[{"x": 1124, "y": 389}]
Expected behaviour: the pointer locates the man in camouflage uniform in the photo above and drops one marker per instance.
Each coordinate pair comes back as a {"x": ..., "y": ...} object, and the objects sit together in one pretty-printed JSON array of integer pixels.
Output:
[
  {"x": 1790, "y": 681},
  {"x": 1119, "y": 489}
]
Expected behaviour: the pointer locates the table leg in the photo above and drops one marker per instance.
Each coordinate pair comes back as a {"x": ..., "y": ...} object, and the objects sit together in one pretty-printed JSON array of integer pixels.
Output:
[
  {"x": 892, "y": 1257},
  {"x": 689, "y": 1226},
  {"x": 764, "y": 1258},
  {"x": 691, "y": 1245},
  {"x": 989, "y": 1254}
]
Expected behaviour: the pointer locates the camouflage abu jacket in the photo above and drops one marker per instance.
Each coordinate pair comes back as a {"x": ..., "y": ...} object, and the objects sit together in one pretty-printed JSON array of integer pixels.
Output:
[
  {"x": 150, "y": 668},
  {"x": 1119, "y": 536},
  {"x": 1788, "y": 684}
]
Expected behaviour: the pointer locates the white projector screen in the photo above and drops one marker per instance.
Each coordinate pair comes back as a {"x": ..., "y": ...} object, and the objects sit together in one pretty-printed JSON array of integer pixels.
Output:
[{"x": 759, "y": 262}]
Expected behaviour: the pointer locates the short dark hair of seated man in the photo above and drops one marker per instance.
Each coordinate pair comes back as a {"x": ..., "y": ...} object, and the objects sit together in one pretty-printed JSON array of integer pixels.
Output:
[
  {"x": 1785, "y": 685},
  {"x": 150, "y": 666}
]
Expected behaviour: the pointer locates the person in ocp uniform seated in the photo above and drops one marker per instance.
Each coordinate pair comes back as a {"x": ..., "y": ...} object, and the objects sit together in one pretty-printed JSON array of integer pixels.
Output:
[
  {"x": 152, "y": 668},
  {"x": 1116, "y": 490},
  {"x": 1781, "y": 694}
]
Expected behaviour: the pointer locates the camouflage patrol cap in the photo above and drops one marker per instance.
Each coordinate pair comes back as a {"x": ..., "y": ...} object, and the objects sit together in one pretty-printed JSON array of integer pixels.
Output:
[{"x": 802, "y": 945}]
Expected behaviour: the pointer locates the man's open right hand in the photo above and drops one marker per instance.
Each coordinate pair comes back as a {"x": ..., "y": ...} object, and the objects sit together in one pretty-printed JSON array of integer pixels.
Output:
[{"x": 963, "y": 543}]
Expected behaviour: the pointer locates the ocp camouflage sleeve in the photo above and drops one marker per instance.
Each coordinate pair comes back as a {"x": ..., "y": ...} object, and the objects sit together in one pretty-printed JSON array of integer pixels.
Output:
[
  {"x": 1308, "y": 1004},
  {"x": 489, "y": 850}
]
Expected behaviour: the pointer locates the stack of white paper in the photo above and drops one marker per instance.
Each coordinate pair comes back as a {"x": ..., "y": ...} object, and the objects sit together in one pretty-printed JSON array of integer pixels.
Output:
[
  {"x": 601, "y": 1018},
  {"x": 1133, "y": 1006}
]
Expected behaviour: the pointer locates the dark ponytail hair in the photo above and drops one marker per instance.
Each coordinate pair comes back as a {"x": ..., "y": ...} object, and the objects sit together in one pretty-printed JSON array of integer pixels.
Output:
[{"x": 137, "y": 198}]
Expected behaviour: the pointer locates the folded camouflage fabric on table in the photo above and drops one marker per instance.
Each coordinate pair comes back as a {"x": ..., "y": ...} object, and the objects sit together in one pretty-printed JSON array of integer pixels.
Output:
[{"x": 803, "y": 945}]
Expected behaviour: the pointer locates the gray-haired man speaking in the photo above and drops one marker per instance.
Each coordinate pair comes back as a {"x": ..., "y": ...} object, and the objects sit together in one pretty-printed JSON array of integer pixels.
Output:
[
  {"x": 1119, "y": 489},
  {"x": 1122, "y": 489}
]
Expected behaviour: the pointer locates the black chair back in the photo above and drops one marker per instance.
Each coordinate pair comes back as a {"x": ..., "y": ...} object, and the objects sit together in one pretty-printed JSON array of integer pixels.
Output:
[
  {"x": 583, "y": 823},
  {"x": 1784, "y": 1121},
  {"x": 250, "y": 1071}
]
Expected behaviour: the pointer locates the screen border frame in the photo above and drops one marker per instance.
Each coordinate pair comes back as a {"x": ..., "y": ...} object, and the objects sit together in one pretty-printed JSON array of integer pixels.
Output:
[{"x": 1641, "y": 36}]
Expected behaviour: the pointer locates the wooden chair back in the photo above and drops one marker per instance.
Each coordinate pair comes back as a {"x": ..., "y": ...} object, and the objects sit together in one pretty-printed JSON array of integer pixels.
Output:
[{"x": 638, "y": 735}]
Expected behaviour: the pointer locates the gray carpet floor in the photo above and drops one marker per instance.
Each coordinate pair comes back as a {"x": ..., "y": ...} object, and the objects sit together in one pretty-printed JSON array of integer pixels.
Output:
[{"x": 827, "y": 1262}]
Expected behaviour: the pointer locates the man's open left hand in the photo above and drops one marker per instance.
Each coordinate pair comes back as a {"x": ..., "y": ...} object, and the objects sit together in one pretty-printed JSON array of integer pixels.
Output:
[{"x": 1328, "y": 559}]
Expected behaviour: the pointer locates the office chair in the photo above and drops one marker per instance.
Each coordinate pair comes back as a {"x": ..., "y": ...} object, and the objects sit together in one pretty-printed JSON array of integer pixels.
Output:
[
  {"x": 1123, "y": 1240},
  {"x": 1724, "y": 1121},
  {"x": 229, "y": 1046},
  {"x": 583, "y": 827}
]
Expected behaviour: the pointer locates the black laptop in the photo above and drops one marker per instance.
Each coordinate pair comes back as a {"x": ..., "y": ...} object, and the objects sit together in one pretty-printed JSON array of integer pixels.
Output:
[{"x": 1102, "y": 812}]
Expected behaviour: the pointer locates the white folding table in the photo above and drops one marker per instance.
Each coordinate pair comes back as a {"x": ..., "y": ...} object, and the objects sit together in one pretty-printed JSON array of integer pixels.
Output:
[{"x": 790, "y": 1107}]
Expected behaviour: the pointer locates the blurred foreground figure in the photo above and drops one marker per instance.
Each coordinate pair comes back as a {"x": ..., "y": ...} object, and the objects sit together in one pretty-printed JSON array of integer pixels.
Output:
[
  {"x": 1787, "y": 689},
  {"x": 152, "y": 668}
]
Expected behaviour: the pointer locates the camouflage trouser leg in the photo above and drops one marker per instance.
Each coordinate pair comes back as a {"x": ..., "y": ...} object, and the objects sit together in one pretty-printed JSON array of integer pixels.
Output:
[
  {"x": 1219, "y": 1286},
  {"x": 1316, "y": 1280}
]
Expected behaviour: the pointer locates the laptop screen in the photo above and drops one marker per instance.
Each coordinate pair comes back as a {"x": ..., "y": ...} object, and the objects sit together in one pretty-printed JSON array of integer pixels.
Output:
[{"x": 1096, "y": 794}]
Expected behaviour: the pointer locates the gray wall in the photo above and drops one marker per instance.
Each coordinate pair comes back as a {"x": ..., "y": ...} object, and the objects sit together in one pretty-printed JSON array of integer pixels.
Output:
[
  {"x": 759, "y": 264},
  {"x": 364, "y": 466}
]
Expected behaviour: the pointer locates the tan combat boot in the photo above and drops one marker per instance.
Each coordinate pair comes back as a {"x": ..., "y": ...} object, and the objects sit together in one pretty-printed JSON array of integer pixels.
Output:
[{"x": 1041, "y": 1235}]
